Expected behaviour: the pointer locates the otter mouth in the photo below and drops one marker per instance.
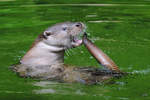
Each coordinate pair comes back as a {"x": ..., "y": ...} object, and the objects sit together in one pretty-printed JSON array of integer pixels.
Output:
[
  {"x": 77, "y": 34},
  {"x": 77, "y": 40}
]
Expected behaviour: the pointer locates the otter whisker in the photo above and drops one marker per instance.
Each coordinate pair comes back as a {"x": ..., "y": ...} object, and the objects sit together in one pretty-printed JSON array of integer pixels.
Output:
[
  {"x": 71, "y": 51},
  {"x": 67, "y": 53}
]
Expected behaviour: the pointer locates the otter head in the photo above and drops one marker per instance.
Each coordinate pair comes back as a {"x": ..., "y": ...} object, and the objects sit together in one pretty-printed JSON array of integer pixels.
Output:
[{"x": 64, "y": 35}]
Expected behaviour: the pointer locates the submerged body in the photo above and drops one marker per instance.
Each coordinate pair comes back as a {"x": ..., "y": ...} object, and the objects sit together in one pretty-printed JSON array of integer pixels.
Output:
[{"x": 45, "y": 59}]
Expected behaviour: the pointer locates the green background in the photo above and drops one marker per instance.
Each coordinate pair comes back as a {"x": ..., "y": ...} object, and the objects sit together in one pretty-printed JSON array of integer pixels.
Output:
[{"x": 121, "y": 28}]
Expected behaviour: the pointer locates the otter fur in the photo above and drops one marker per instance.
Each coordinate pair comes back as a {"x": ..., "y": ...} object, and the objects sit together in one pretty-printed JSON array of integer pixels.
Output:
[{"x": 45, "y": 58}]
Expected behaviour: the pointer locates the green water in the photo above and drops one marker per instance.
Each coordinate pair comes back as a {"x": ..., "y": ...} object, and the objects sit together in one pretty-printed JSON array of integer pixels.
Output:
[{"x": 120, "y": 28}]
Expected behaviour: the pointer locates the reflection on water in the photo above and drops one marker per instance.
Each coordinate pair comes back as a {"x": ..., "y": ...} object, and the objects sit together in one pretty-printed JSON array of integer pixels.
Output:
[
  {"x": 44, "y": 91},
  {"x": 51, "y": 87},
  {"x": 48, "y": 87}
]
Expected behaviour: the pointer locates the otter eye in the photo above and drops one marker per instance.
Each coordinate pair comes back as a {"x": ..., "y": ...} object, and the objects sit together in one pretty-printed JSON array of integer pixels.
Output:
[{"x": 64, "y": 28}]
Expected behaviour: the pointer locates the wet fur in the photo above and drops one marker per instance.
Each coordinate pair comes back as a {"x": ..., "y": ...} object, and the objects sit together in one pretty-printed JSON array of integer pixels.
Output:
[{"x": 57, "y": 70}]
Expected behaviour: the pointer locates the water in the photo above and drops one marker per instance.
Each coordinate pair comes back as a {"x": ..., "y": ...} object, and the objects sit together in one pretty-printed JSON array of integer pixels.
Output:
[{"x": 120, "y": 29}]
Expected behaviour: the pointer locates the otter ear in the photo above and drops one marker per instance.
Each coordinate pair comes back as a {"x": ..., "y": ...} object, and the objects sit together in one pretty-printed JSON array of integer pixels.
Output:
[{"x": 47, "y": 33}]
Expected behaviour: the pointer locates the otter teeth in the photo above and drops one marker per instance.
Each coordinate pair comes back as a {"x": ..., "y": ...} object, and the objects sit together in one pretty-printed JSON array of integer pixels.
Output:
[{"x": 77, "y": 41}]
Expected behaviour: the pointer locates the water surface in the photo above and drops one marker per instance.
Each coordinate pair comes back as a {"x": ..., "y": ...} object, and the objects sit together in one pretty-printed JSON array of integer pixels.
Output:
[{"x": 120, "y": 29}]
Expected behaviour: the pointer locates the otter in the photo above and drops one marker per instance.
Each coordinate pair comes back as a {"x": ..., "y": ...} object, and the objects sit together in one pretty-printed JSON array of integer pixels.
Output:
[{"x": 45, "y": 58}]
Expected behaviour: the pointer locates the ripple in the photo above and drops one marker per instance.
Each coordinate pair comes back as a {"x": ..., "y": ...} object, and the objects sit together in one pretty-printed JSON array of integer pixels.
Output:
[
  {"x": 6, "y": 0},
  {"x": 145, "y": 71},
  {"x": 44, "y": 91},
  {"x": 84, "y": 5},
  {"x": 91, "y": 15},
  {"x": 10, "y": 92},
  {"x": 79, "y": 92},
  {"x": 123, "y": 98},
  {"x": 49, "y": 87},
  {"x": 44, "y": 83},
  {"x": 71, "y": 5},
  {"x": 104, "y": 21}
]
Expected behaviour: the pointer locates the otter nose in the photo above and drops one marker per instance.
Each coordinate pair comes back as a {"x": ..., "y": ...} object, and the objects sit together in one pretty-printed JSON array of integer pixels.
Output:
[{"x": 78, "y": 24}]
